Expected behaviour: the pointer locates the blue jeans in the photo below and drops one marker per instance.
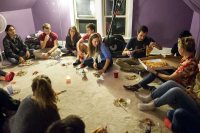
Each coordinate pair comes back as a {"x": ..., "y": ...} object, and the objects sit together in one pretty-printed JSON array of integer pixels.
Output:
[
  {"x": 16, "y": 60},
  {"x": 173, "y": 93},
  {"x": 185, "y": 122},
  {"x": 89, "y": 62}
]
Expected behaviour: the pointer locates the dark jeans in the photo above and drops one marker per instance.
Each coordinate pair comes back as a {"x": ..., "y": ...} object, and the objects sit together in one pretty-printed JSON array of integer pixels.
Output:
[
  {"x": 185, "y": 122},
  {"x": 2, "y": 73},
  {"x": 151, "y": 77},
  {"x": 7, "y": 103},
  {"x": 89, "y": 62},
  {"x": 16, "y": 60}
]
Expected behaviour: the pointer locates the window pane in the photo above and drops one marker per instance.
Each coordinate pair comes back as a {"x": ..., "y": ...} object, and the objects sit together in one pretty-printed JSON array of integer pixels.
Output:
[
  {"x": 85, "y": 8},
  {"x": 83, "y": 23},
  {"x": 118, "y": 26},
  {"x": 121, "y": 7}
]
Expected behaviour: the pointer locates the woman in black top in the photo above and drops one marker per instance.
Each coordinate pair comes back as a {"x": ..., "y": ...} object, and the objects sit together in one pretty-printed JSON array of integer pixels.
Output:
[{"x": 72, "y": 38}]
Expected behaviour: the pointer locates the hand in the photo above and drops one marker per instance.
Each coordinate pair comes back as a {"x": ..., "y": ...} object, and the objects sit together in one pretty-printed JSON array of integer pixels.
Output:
[
  {"x": 21, "y": 60},
  {"x": 27, "y": 54},
  {"x": 45, "y": 55},
  {"x": 95, "y": 65},
  {"x": 101, "y": 71},
  {"x": 150, "y": 69},
  {"x": 152, "y": 44},
  {"x": 129, "y": 53},
  {"x": 74, "y": 52},
  {"x": 46, "y": 38}
]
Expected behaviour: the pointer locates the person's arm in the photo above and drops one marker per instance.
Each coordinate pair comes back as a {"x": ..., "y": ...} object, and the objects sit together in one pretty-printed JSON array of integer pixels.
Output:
[
  {"x": 43, "y": 42},
  {"x": 24, "y": 47},
  {"x": 54, "y": 48},
  {"x": 78, "y": 44},
  {"x": 8, "y": 49},
  {"x": 126, "y": 51},
  {"x": 155, "y": 45}
]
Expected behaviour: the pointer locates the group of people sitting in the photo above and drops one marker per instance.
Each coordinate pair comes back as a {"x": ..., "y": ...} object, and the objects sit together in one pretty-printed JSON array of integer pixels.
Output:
[{"x": 178, "y": 90}]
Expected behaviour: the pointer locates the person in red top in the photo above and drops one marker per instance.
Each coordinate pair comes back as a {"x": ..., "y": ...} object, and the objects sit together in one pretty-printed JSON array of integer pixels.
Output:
[
  {"x": 184, "y": 75},
  {"x": 48, "y": 43},
  {"x": 82, "y": 49}
]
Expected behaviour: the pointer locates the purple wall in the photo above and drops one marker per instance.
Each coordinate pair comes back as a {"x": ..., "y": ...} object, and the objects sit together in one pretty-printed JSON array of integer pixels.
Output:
[
  {"x": 11, "y": 5},
  {"x": 55, "y": 12},
  {"x": 195, "y": 30},
  {"x": 165, "y": 19},
  {"x": 22, "y": 20}
]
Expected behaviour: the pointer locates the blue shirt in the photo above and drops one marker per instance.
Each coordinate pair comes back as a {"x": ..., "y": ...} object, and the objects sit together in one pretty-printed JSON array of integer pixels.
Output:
[{"x": 105, "y": 52}]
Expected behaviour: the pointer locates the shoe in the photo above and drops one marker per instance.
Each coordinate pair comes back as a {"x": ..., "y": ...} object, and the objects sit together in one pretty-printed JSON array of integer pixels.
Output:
[
  {"x": 132, "y": 87},
  {"x": 9, "y": 76},
  {"x": 77, "y": 62}
]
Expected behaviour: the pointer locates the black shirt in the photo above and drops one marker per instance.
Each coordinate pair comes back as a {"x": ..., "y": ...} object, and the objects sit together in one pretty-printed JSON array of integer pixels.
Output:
[
  {"x": 71, "y": 44},
  {"x": 174, "y": 50},
  {"x": 134, "y": 44},
  {"x": 12, "y": 47}
]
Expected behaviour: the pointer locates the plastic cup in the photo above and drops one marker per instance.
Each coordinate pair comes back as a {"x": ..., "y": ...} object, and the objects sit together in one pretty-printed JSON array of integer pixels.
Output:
[
  {"x": 10, "y": 89},
  {"x": 68, "y": 80},
  {"x": 116, "y": 74}
]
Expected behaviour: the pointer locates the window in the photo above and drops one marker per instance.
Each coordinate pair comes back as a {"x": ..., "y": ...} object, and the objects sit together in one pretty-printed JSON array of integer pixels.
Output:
[
  {"x": 85, "y": 13},
  {"x": 119, "y": 23},
  {"x": 100, "y": 13}
]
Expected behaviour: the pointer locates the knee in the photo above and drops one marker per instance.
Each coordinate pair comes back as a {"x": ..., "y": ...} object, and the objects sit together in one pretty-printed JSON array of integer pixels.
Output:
[
  {"x": 176, "y": 90},
  {"x": 179, "y": 113}
]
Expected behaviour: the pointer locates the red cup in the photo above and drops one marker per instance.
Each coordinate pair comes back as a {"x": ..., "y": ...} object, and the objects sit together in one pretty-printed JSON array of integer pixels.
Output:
[{"x": 116, "y": 74}]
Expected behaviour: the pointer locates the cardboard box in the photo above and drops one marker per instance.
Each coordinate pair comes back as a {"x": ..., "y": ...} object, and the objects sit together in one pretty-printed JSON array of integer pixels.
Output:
[{"x": 170, "y": 62}]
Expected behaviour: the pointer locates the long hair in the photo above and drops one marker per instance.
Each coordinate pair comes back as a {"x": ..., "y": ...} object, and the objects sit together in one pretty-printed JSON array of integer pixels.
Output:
[
  {"x": 94, "y": 50},
  {"x": 76, "y": 32},
  {"x": 43, "y": 92},
  {"x": 187, "y": 43}
]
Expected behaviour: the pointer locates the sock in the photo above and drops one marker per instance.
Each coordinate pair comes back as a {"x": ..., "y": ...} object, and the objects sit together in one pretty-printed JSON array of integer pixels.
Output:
[
  {"x": 146, "y": 106},
  {"x": 144, "y": 99}
]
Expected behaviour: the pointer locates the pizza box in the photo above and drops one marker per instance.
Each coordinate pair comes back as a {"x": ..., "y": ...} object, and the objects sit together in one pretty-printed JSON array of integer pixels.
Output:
[{"x": 160, "y": 62}]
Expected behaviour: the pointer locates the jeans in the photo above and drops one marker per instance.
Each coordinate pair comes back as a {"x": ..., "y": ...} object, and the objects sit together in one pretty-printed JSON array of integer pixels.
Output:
[
  {"x": 173, "y": 93},
  {"x": 2, "y": 73},
  {"x": 151, "y": 77},
  {"x": 185, "y": 122},
  {"x": 16, "y": 60},
  {"x": 89, "y": 62}
]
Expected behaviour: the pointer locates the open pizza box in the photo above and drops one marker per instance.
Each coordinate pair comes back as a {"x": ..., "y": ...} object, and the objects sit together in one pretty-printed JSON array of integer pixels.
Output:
[{"x": 160, "y": 62}]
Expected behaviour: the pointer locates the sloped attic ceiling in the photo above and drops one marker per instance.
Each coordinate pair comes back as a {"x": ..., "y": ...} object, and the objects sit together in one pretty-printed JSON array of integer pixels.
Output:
[{"x": 10, "y": 5}]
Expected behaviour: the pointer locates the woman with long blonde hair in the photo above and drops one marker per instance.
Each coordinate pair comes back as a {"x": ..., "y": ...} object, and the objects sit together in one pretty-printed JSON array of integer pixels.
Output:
[
  {"x": 38, "y": 111},
  {"x": 99, "y": 54}
]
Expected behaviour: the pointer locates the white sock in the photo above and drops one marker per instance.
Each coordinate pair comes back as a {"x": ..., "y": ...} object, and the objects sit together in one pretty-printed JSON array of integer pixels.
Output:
[{"x": 144, "y": 99}]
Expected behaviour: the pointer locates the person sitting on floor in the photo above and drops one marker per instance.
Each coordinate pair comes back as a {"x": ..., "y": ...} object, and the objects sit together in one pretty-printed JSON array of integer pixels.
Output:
[
  {"x": 36, "y": 112},
  {"x": 15, "y": 49},
  {"x": 4, "y": 76},
  {"x": 178, "y": 97},
  {"x": 72, "y": 38},
  {"x": 48, "y": 43},
  {"x": 82, "y": 48},
  {"x": 71, "y": 124},
  {"x": 182, "y": 121},
  {"x": 99, "y": 54},
  {"x": 136, "y": 48},
  {"x": 174, "y": 50},
  {"x": 8, "y": 106},
  {"x": 185, "y": 73}
]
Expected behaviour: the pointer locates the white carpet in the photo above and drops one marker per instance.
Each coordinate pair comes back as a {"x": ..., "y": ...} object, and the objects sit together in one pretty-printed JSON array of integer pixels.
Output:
[{"x": 92, "y": 99}]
